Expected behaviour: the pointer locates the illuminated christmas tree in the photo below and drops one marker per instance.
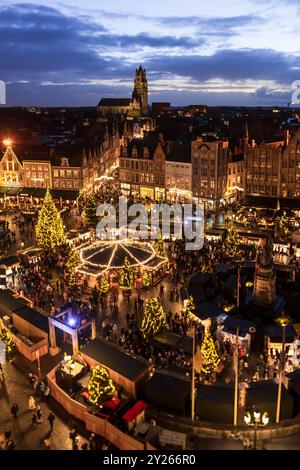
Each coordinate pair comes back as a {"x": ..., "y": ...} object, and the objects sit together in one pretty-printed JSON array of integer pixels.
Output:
[
  {"x": 104, "y": 285},
  {"x": 146, "y": 279},
  {"x": 190, "y": 307},
  {"x": 154, "y": 318},
  {"x": 159, "y": 247},
  {"x": 100, "y": 387},
  {"x": 210, "y": 356},
  {"x": 9, "y": 343},
  {"x": 72, "y": 263},
  {"x": 126, "y": 275},
  {"x": 232, "y": 242},
  {"x": 90, "y": 213},
  {"x": 49, "y": 229},
  {"x": 283, "y": 225}
]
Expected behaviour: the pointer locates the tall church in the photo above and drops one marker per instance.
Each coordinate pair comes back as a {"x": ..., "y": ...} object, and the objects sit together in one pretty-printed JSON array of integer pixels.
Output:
[{"x": 136, "y": 106}]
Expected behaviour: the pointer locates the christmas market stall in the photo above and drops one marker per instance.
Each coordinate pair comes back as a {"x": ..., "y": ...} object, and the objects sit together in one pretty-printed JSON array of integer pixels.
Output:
[
  {"x": 127, "y": 371},
  {"x": 27, "y": 327},
  {"x": 235, "y": 328},
  {"x": 214, "y": 404}
]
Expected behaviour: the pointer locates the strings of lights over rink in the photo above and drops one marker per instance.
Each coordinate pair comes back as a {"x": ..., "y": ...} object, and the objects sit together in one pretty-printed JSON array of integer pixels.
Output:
[{"x": 145, "y": 345}]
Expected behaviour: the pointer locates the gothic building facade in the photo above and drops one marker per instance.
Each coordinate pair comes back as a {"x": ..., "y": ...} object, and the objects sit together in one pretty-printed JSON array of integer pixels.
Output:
[{"x": 133, "y": 107}]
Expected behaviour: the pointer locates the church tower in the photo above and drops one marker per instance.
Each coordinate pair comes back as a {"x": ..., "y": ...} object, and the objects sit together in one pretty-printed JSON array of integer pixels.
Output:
[{"x": 141, "y": 89}]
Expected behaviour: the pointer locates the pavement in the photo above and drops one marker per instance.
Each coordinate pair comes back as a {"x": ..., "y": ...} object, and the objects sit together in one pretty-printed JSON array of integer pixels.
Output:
[{"x": 16, "y": 389}]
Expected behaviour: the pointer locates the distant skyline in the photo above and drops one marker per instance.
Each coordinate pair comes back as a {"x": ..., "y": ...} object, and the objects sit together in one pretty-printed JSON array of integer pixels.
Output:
[{"x": 73, "y": 52}]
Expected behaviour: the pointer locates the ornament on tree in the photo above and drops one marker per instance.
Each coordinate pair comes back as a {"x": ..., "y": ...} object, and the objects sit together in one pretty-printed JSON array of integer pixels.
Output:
[
  {"x": 154, "y": 318},
  {"x": 100, "y": 387},
  {"x": 49, "y": 229}
]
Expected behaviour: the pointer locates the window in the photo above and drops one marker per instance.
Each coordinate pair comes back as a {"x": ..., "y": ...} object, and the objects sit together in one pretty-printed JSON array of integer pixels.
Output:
[{"x": 55, "y": 173}]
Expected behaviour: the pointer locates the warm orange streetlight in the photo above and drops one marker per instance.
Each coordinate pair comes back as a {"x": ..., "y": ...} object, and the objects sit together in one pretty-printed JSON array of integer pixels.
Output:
[{"x": 7, "y": 142}]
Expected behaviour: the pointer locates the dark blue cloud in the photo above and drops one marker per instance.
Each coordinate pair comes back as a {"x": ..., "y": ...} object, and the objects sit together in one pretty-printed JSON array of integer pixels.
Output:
[{"x": 41, "y": 44}]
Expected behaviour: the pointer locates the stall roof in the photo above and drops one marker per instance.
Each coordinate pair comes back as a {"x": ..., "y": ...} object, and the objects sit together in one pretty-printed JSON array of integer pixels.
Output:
[
  {"x": 275, "y": 333},
  {"x": 9, "y": 261},
  {"x": 114, "y": 358},
  {"x": 169, "y": 391},
  {"x": 233, "y": 323},
  {"x": 34, "y": 317},
  {"x": 9, "y": 303}
]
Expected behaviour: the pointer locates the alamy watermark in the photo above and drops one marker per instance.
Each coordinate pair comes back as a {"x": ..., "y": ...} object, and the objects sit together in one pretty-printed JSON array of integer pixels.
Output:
[
  {"x": 296, "y": 93},
  {"x": 138, "y": 222},
  {"x": 2, "y": 92},
  {"x": 2, "y": 353}
]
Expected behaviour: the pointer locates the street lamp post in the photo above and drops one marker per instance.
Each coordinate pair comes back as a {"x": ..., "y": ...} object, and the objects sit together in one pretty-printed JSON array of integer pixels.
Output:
[
  {"x": 283, "y": 321},
  {"x": 257, "y": 420}
]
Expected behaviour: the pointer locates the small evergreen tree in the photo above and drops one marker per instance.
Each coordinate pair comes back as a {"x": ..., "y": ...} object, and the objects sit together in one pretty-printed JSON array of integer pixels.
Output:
[
  {"x": 190, "y": 307},
  {"x": 154, "y": 318},
  {"x": 210, "y": 357},
  {"x": 100, "y": 387},
  {"x": 49, "y": 229},
  {"x": 146, "y": 279},
  {"x": 159, "y": 247},
  {"x": 72, "y": 263},
  {"x": 90, "y": 213},
  {"x": 104, "y": 285},
  {"x": 9, "y": 344},
  {"x": 232, "y": 242},
  {"x": 126, "y": 275}
]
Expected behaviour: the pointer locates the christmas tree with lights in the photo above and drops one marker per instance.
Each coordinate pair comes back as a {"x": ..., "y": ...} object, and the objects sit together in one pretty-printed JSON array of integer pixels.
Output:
[
  {"x": 210, "y": 357},
  {"x": 100, "y": 387},
  {"x": 104, "y": 285},
  {"x": 7, "y": 340},
  {"x": 232, "y": 242},
  {"x": 90, "y": 213},
  {"x": 159, "y": 247},
  {"x": 146, "y": 279},
  {"x": 49, "y": 229},
  {"x": 154, "y": 318},
  {"x": 126, "y": 275},
  {"x": 190, "y": 307},
  {"x": 72, "y": 263}
]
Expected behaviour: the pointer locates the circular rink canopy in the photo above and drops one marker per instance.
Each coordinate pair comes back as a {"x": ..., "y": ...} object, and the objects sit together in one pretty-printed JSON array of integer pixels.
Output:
[{"x": 103, "y": 256}]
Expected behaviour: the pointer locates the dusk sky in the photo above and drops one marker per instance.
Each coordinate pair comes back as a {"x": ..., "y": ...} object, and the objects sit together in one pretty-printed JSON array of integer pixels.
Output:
[{"x": 215, "y": 52}]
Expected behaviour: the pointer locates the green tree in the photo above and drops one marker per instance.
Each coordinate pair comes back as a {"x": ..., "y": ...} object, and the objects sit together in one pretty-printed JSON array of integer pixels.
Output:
[
  {"x": 190, "y": 307},
  {"x": 100, "y": 387},
  {"x": 210, "y": 357},
  {"x": 104, "y": 285},
  {"x": 146, "y": 279},
  {"x": 154, "y": 318},
  {"x": 232, "y": 242},
  {"x": 9, "y": 343},
  {"x": 49, "y": 229},
  {"x": 72, "y": 263},
  {"x": 159, "y": 247},
  {"x": 90, "y": 213},
  {"x": 126, "y": 275}
]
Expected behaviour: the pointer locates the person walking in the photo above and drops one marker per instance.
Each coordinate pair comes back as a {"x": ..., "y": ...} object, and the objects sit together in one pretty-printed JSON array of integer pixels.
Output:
[
  {"x": 15, "y": 410},
  {"x": 31, "y": 403},
  {"x": 39, "y": 414},
  {"x": 34, "y": 420},
  {"x": 51, "y": 419}
]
